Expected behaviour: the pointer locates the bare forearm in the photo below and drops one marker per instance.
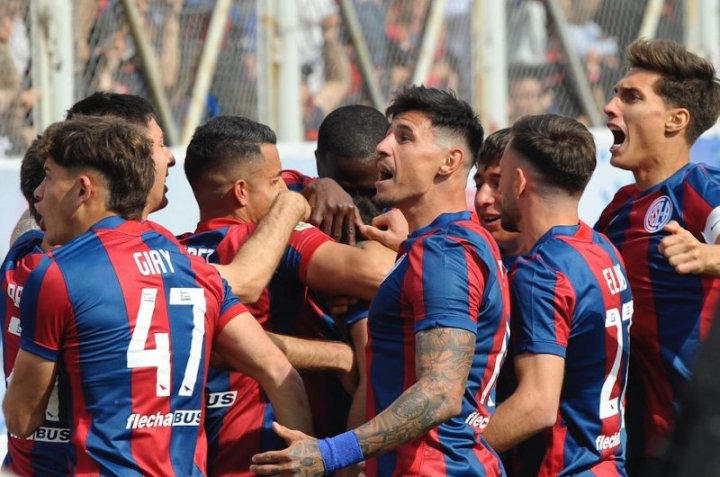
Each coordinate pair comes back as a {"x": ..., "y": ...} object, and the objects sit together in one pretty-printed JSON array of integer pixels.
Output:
[
  {"x": 253, "y": 266},
  {"x": 442, "y": 359},
  {"x": 514, "y": 421},
  {"x": 316, "y": 355},
  {"x": 290, "y": 403},
  {"x": 413, "y": 414}
]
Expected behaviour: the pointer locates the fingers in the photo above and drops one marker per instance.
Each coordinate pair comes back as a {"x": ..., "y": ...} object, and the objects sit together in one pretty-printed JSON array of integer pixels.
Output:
[
  {"x": 372, "y": 232},
  {"x": 673, "y": 227}
]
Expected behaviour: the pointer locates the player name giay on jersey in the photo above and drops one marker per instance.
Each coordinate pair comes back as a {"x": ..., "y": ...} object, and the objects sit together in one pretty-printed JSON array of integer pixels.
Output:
[{"x": 153, "y": 262}]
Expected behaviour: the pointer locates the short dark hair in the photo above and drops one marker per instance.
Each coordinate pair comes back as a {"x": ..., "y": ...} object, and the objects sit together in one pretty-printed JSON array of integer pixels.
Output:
[
  {"x": 686, "y": 81},
  {"x": 32, "y": 174},
  {"x": 351, "y": 132},
  {"x": 132, "y": 108},
  {"x": 493, "y": 147},
  {"x": 444, "y": 110},
  {"x": 117, "y": 149},
  {"x": 223, "y": 140},
  {"x": 561, "y": 149}
]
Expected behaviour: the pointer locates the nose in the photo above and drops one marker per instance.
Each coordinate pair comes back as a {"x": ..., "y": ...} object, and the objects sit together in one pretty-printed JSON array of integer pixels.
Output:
[
  {"x": 610, "y": 108},
  {"x": 39, "y": 191},
  {"x": 484, "y": 197},
  {"x": 383, "y": 147},
  {"x": 171, "y": 158}
]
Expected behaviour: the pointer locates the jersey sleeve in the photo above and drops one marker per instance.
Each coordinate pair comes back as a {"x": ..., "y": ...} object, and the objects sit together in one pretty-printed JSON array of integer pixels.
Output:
[
  {"x": 701, "y": 208},
  {"x": 229, "y": 308},
  {"x": 45, "y": 310},
  {"x": 543, "y": 301},
  {"x": 444, "y": 284},
  {"x": 303, "y": 243},
  {"x": 296, "y": 180}
]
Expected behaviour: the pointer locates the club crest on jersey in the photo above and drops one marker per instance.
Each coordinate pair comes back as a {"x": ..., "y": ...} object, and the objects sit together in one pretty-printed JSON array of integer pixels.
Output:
[{"x": 658, "y": 215}]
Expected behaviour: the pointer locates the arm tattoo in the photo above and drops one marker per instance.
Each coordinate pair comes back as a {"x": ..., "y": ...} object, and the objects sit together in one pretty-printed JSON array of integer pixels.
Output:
[{"x": 442, "y": 360}]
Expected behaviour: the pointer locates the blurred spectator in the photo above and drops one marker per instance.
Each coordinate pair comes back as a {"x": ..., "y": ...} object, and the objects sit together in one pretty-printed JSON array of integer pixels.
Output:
[
  {"x": 324, "y": 92},
  {"x": 527, "y": 32},
  {"x": 16, "y": 98},
  {"x": 406, "y": 20},
  {"x": 527, "y": 92},
  {"x": 372, "y": 16},
  {"x": 598, "y": 51},
  {"x": 458, "y": 38}
]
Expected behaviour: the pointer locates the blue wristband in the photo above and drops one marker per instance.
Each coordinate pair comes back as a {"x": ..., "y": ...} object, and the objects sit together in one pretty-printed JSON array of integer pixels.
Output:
[{"x": 340, "y": 451}]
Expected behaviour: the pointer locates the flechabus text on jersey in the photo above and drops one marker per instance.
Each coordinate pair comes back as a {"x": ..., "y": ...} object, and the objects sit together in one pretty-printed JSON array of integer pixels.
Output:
[{"x": 159, "y": 419}]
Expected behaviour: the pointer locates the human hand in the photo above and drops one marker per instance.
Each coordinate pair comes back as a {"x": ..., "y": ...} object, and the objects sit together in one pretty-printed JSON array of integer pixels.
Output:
[
  {"x": 289, "y": 200},
  {"x": 686, "y": 253},
  {"x": 301, "y": 457},
  {"x": 333, "y": 210},
  {"x": 390, "y": 229}
]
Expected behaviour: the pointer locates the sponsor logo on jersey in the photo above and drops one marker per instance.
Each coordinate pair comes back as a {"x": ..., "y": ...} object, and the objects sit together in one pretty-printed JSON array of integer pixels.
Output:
[
  {"x": 658, "y": 215},
  {"x": 159, "y": 419},
  {"x": 475, "y": 419},
  {"x": 226, "y": 399},
  {"x": 48, "y": 434},
  {"x": 604, "y": 442},
  {"x": 303, "y": 226}
]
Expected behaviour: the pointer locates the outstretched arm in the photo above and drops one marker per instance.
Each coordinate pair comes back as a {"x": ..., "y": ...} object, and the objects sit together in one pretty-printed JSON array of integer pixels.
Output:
[
  {"x": 253, "y": 266},
  {"x": 246, "y": 347},
  {"x": 316, "y": 355},
  {"x": 443, "y": 359},
  {"x": 339, "y": 269}
]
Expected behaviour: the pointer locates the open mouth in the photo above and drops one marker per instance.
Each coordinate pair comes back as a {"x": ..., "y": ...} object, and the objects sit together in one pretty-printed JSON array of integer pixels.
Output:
[
  {"x": 384, "y": 173},
  {"x": 619, "y": 137},
  {"x": 489, "y": 219}
]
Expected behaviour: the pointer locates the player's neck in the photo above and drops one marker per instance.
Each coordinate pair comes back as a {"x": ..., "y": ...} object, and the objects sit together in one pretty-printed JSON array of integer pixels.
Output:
[
  {"x": 423, "y": 211},
  {"x": 543, "y": 214},
  {"x": 657, "y": 172}
]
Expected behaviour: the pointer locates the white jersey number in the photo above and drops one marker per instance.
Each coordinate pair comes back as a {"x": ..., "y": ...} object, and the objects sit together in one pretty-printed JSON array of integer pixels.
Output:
[
  {"x": 610, "y": 406},
  {"x": 159, "y": 357}
]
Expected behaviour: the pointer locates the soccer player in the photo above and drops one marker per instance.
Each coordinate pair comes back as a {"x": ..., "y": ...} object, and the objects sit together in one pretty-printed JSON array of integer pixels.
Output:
[
  {"x": 252, "y": 268},
  {"x": 666, "y": 100},
  {"x": 438, "y": 324},
  {"x": 571, "y": 307},
  {"x": 44, "y": 453},
  {"x": 233, "y": 166},
  {"x": 127, "y": 318},
  {"x": 488, "y": 203}
]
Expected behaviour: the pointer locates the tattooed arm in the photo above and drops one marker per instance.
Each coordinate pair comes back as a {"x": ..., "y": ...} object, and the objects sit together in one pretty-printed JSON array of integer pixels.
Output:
[{"x": 442, "y": 360}]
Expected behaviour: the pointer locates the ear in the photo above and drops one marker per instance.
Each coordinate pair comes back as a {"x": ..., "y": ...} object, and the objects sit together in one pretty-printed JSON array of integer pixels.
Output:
[
  {"x": 240, "y": 191},
  {"x": 520, "y": 183},
  {"x": 452, "y": 161},
  {"x": 677, "y": 120},
  {"x": 84, "y": 189},
  {"x": 320, "y": 166}
]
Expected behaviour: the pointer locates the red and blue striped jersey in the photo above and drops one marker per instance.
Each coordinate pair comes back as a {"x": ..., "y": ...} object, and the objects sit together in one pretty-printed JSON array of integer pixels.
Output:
[
  {"x": 239, "y": 416},
  {"x": 130, "y": 318},
  {"x": 570, "y": 298},
  {"x": 295, "y": 180},
  {"x": 674, "y": 312},
  {"x": 448, "y": 274},
  {"x": 45, "y": 452}
]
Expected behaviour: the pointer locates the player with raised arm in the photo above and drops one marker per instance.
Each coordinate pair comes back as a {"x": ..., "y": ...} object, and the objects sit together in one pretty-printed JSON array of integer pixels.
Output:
[
  {"x": 438, "y": 325},
  {"x": 233, "y": 166},
  {"x": 571, "y": 307},
  {"x": 125, "y": 317}
]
